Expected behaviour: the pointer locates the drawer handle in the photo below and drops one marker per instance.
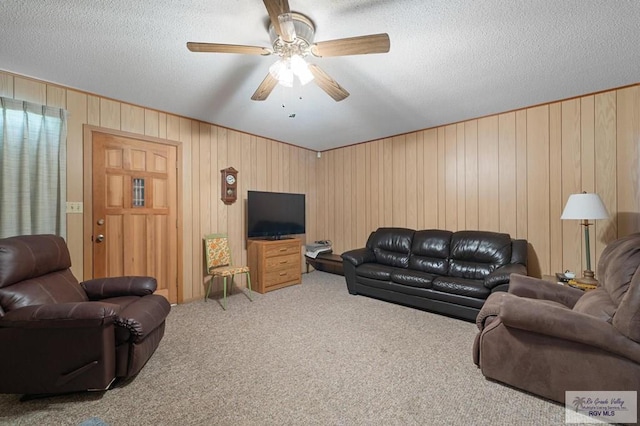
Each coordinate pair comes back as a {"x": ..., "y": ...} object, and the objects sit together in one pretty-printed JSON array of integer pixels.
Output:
[
  {"x": 283, "y": 249},
  {"x": 282, "y": 274},
  {"x": 284, "y": 262}
]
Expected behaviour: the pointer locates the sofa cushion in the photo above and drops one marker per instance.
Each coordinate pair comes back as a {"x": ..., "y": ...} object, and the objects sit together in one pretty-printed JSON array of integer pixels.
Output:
[
  {"x": 596, "y": 303},
  {"x": 412, "y": 278},
  {"x": 619, "y": 274},
  {"x": 391, "y": 246},
  {"x": 30, "y": 256},
  {"x": 55, "y": 287},
  {"x": 627, "y": 317},
  {"x": 461, "y": 286},
  {"x": 618, "y": 263},
  {"x": 475, "y": 254},
  {"x": 375, "y": 271},
  {"x": 430, "y": 251}
]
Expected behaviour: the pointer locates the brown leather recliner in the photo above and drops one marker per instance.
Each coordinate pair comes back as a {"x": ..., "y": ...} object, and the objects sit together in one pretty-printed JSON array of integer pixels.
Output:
[
  {"x": 58, "y": 335},
  {"x": 547, "y": 339}
]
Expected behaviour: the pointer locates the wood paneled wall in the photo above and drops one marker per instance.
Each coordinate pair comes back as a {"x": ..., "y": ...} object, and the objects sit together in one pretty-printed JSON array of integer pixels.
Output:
[
  {"x": 510, "y": 172},
  {"x": 263, "y": 164}
]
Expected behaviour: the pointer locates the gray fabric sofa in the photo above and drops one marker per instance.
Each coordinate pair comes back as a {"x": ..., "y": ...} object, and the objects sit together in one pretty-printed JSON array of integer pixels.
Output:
[{"x": 547, "y": 338}]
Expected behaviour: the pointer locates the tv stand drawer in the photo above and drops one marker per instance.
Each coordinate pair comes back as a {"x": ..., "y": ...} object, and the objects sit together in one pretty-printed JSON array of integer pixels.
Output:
[
  {"x": 285, "y": 248},
  {"x": 273, "y": 278},
  {"x": 274, "y": 263},
  {"x": 288, "y": 261}
]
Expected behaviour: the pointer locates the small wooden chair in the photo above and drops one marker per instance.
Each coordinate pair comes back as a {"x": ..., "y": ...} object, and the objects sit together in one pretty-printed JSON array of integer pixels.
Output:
[{"x": 219, "y": 264}]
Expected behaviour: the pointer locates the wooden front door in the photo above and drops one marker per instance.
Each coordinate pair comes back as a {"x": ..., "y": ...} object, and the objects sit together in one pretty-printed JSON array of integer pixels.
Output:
[{"x": 135, "y": 210}]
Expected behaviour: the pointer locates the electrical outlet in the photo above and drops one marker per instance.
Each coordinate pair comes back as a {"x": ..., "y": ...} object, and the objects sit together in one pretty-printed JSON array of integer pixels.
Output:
[{"x": 74, "y": 206}]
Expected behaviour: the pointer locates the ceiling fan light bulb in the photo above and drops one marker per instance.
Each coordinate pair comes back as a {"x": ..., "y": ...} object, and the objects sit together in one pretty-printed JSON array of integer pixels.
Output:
[
  {"x": 287, "y": 80},
  {"x": 305, "y": 78},
  {"x": 281, "y": 71},
  {"x": 300, "y": 68}
]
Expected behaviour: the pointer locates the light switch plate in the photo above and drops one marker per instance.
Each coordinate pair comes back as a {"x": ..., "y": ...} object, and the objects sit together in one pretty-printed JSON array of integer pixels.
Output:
[{"x": 74, "y": 206}]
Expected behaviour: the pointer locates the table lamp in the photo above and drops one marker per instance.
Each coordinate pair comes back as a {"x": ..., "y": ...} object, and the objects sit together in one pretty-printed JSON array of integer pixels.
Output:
[{"x": 585, "y": 207}]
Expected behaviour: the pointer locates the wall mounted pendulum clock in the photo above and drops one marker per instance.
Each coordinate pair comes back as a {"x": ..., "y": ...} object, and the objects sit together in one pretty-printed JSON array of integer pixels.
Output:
[{"x": 229, "y": 181}]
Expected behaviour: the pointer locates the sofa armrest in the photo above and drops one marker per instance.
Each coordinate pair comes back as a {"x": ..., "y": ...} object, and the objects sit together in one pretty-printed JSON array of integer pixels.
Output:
[
  {"x": 350, "y": 260},
  {"x": 490, "y": 310},
  {"x": 502, "y": 275},
  {"x": 102, "y": 288},
  {"x": 61, "y": 315},
  {"x": 552, "y": 319},
  {"x": 535, "y": 288},
  {"x": 143, "y": 316},
  {"x": 359, "y": 256}
]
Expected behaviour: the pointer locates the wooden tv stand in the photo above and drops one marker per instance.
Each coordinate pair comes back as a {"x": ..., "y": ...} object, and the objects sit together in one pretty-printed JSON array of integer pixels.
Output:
[{"x": 274, "y": 263}]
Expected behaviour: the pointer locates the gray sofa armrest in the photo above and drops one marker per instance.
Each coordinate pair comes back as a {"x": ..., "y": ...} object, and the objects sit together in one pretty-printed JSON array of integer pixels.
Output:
[
  {"x": 490, "y": 310},
  {"x": 359, "y": 256},
  {"x": 103, "y": 288},
  {"x": 535, "y": 288},
  {"x": 552, "y": 319},
  {"x": 502, "y": 275}
]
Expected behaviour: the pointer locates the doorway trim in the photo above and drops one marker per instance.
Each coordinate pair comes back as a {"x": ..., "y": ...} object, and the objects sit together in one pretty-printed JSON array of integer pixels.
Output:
[{"x": 87, "y": 158}]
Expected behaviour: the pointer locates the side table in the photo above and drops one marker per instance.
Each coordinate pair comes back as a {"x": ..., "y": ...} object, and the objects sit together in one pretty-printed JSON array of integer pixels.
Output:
[
  {"x": 554, "y": 279},
  {"x": 326, "y": 262}
]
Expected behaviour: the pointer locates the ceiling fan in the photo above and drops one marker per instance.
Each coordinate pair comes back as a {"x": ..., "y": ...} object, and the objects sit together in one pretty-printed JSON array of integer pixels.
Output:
[{"x": 292, "y": 39}]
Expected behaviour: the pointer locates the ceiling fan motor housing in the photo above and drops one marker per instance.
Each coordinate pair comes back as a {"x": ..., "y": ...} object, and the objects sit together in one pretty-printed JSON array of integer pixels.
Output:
[{"x": 305, "y": 31}]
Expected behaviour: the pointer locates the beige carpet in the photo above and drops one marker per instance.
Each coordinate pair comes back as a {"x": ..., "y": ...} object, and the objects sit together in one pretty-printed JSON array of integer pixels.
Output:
[{"x": 310, "y": 354}]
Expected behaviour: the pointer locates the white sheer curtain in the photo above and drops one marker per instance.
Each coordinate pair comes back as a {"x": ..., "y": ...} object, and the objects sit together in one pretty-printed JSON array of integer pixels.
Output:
[{"x": 33, "y": 161}]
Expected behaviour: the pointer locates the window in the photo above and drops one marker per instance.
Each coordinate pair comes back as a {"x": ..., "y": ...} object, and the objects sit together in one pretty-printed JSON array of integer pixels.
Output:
[
  {"x": 32, "y": 169},
  {"x": 138, "y": 192}
]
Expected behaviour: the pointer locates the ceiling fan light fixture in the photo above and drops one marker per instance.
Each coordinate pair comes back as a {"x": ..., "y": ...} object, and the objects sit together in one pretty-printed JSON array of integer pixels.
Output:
[
  {"x": 285, "y": 69},
  {"x": 291, "y": 36},
  {"x": 301, "y": 70},
  {"x": 281, "y": 70}
]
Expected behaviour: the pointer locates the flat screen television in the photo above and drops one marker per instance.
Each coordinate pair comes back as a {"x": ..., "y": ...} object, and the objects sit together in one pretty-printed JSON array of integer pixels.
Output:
[{"x": 275, "y": 215}]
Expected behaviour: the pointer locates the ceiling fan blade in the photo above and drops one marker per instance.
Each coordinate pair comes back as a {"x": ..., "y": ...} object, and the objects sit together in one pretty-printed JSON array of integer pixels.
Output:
[
  {"x": 328, "y": 84},
  {"x": 264, "y": 90},
  {"x": 374, "y": 43},
  {"x": 275, "y": 9},
  {"x": 228, "y": 48}
]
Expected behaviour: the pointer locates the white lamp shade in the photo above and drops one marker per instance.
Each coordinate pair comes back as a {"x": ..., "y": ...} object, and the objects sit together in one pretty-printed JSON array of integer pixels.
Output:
[
  {"x": 281, "y": 71},
  {"x": 286, "y": 68},
  {"x": 584, "y": 206},
  {"x": 300, "y": 68}
]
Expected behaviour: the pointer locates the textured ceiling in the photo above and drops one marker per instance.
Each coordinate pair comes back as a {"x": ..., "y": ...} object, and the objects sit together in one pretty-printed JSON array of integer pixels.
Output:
[{"x": 450, "y": 60}]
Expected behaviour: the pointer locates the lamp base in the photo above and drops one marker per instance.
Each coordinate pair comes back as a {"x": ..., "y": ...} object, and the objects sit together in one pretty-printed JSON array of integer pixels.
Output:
[{"x": 587, "y": 278}]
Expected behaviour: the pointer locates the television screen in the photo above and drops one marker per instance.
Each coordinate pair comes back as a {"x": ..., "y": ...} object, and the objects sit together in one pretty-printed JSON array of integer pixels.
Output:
[{"x": 275, "y": 214}]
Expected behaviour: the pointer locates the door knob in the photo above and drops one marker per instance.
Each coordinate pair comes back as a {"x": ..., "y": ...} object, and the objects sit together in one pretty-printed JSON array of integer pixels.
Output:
[{"x": 99, "y": 238}]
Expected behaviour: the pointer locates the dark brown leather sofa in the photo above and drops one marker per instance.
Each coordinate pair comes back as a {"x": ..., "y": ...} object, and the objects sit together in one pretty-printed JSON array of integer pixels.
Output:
[
  {"x": 59, "y": 336},
  {"x": 547, "y": 338},
  {"x": 447, "y": 272}
]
